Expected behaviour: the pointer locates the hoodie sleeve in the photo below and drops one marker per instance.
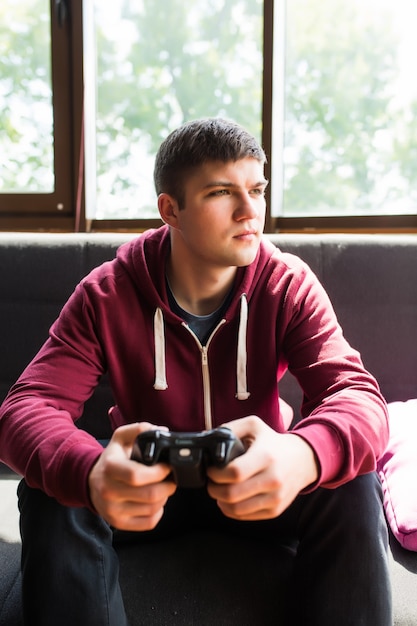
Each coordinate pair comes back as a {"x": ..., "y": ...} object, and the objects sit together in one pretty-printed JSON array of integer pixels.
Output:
[
  {"x": 38, "y": 437},
  {"x": 345, "y": 417}
]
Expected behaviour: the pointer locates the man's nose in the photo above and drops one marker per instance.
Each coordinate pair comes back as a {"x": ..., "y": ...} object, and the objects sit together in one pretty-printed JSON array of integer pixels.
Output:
[{"x": 246, "y": 208}]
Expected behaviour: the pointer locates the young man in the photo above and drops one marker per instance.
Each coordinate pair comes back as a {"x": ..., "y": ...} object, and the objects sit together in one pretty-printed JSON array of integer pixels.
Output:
[{"x": 195, "y": 323}]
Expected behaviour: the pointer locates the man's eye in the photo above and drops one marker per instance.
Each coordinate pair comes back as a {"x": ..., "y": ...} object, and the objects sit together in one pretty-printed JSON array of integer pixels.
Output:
[
  {"x": 258, "y": 191},
  {"x": 219, "y": 192}
]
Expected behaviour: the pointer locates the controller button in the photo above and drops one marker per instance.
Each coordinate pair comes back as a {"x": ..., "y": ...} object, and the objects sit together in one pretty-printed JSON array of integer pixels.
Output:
[
  {"x": 221, "y": 451},
  {"x": 184, "y": 452},
  {"x": 149, "y": 450}
]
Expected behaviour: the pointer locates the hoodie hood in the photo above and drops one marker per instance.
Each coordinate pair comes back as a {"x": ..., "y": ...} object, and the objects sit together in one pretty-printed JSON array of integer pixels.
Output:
[{"x": 144, "y": 259}]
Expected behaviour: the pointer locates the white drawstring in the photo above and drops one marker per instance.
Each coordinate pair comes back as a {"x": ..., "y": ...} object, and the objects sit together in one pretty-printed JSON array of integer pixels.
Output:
[
  {"x": 241, "y": 361},
  {"x": 160, "y": 371},
  {"x": 242, "y": 383}
]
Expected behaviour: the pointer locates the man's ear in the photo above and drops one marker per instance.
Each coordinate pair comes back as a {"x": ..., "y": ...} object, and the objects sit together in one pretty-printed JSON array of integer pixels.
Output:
[{"x": 168, "y": 209}]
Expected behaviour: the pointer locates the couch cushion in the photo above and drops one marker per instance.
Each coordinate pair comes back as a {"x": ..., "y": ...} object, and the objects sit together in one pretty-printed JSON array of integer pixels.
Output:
[
  {"x": 10, "y": 585},
  {"x": 398, "y": 472}
]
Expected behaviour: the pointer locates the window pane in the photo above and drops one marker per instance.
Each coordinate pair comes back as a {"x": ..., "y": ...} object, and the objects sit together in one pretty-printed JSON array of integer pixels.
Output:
[
  {"x": 159, "y": 64},
  {"x": 26, "y": 119},
  {"x": 350, "y": 130}
]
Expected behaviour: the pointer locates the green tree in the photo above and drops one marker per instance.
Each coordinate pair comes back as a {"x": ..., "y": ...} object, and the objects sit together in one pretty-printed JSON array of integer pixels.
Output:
[
  {"x": 350, "y": 143},
  {"x": 26, "y": 124},
  {"x": 184, "y": 59},
  {"x": 340, "y": 131}
]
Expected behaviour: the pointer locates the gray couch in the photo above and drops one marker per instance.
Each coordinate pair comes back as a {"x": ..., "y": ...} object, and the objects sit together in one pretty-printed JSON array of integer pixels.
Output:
[{"x": 203, "y": 578}]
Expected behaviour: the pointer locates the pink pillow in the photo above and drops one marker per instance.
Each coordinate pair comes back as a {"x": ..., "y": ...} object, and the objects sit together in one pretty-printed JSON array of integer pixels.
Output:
[{"x": 397, "y": 469}]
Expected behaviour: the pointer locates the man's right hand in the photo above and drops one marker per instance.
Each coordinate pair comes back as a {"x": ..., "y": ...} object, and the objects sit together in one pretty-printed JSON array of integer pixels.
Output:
[{"x": 128, "y": 495}]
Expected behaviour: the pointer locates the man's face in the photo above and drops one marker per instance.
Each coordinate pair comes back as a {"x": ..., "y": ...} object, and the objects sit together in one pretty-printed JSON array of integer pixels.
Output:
[{"x": 223, "y": 215}]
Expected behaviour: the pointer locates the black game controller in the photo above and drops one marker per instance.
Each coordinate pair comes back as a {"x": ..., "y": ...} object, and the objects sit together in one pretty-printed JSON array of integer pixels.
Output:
[{"x": 189, "y": 454}]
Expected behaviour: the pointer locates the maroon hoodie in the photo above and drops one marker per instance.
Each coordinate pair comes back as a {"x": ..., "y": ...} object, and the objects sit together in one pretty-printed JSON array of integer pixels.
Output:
[{"x": 118, "y": 320}]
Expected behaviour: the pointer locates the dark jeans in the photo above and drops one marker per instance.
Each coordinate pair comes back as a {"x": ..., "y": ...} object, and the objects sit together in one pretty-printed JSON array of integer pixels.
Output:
[{"x": 339, "y": 537}]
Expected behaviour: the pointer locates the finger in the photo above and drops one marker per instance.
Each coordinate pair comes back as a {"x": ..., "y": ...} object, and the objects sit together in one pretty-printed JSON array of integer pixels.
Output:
[
  {"x": 133, "y": 474},
  {"x": 137, "y": 523},
  {"x": 242, "y": 468},
  {"x": 120, "y": 446},
  {"x": 232, "y": 491},
  {"x": 151, "y": 492},
  {"x": 131, "y": 516},
  {"x": 262, "y": 506},
  {"x": 126, "y": 435},
  {"x": 245, "y": 428},
  {"x": 251, "y": 517},
  {"x": 232, "y": 473}
]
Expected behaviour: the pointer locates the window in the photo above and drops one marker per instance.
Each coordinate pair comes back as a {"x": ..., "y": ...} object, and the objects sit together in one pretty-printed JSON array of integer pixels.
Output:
[
  {"x": 346, "y": 85},
  {"x": 35, "y": 128},
  {"x": 159, "y": 64},
  {"x": 26, "y": 105},
  {"x": 89, "y": 89}
]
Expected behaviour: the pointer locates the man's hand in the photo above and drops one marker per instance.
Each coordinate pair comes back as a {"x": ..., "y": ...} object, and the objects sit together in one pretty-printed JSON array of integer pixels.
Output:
[
  {"x": 127, "y": 494},
  {"x": 264, "y": 481}
]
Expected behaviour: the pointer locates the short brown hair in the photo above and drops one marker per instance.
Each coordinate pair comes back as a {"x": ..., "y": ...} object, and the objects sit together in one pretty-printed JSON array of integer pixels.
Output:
[{"x": 198, "y": 142}]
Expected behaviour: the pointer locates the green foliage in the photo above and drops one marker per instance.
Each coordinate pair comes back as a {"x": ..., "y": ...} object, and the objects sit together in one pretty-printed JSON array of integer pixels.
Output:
[
  {"x": 25, "y": 97},
  {"x": 340, "y": 132},
  {"x": 350, "y": 141},
  {"x": 181, "y": 60}
]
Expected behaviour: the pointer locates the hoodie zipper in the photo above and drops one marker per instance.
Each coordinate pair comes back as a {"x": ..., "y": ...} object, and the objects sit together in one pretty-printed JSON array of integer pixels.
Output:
[{"x": 208, "y": 419}]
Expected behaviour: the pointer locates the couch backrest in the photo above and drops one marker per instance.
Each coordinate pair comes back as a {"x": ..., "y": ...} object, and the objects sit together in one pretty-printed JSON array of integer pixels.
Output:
[{"x": 371, "y": 280}]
